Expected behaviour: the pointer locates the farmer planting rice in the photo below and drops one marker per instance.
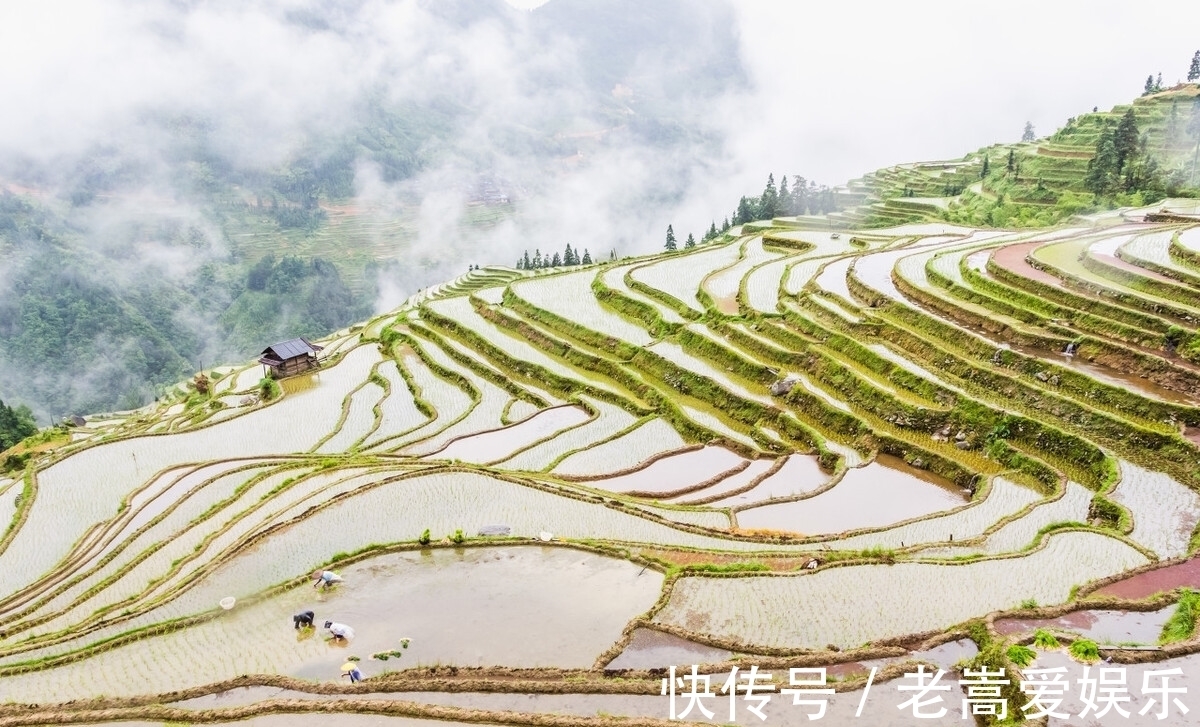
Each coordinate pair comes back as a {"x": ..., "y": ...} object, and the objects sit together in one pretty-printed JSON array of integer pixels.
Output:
[
  {"x": 341, "y": 632},
  {"x": 325, "y": 579},
  {"x": 350, "y": 669}
]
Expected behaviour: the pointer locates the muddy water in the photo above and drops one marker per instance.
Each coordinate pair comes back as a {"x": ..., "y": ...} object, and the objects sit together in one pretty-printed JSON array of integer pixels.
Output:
[
  {"x": 1012, "y": 257},
  {"x": 800, "y": 474},
  {"x": 878, "y": 710},
  {"x": 882, "y": 493},
  {"x": 651, "y": 649},
  {"x": 514, "y": 606},
  {"x": 675, "y": 472},
  {"x": 1116, "y": 377},
  {"x": 1134, "y": 676},
  {"x": 944, "y": 657},
  {"x": 491, "y": 446},
  {"x": 314, "y": 720},
  {"x": 1146, "y": 584},
  {"x": 1103, "y": 627},
  {"x": 728, "y": 305},
  {"x": 948, "y": 654},
  {"x": 733, "y": 482}
]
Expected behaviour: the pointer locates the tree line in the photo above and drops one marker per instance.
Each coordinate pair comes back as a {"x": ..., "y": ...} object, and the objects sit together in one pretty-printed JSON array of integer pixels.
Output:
[
  {"x": 568, "y": 257},
  {"x": 1122, "y": 161},
  {"x": 15, "y": 424},
  {"x": 1154, "y": 84},
  {"x": 804, "y": 197}
]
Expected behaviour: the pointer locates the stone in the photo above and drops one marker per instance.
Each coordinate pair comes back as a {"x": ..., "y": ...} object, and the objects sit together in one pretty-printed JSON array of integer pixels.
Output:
[{"x": 784, "y": 385}]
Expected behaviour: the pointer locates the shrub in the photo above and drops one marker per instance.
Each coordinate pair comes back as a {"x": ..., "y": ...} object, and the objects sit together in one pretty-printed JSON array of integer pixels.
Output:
[
  {"x": 1029, "y": 603},
  {"x": 269, "y": 389},
  {"x": 1043, "y": 639},
  {"x": 1020, "y": 655},
  {"x": 425, "y": 538},
  {"x": 458, "y": 536},
  {"x": 1085, "y": 650},
  {"x": 14, "y": 462},
  {"x": 1182, "y": 624}
]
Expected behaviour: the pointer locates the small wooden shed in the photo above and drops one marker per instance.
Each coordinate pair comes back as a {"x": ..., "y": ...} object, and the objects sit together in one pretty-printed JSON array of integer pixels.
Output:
[{"x": 287, "y": 358}]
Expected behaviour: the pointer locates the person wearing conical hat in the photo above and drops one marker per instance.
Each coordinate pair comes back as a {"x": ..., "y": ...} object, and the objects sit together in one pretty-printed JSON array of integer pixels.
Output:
[{"x": 350, "y": 669}]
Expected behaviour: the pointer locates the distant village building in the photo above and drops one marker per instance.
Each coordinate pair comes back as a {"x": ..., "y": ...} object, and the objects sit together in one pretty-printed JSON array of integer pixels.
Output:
[{"x": 287, "y": 358}]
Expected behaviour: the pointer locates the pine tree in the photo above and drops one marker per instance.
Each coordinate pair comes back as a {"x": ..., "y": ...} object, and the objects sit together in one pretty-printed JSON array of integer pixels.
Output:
[
  {"x": 712, "y": 232},
  {"x": 1194, "y": 69},
  {"x": 1149, "y": 85},
  {"x": 587, "y": 257},
  {"x": 537, "y": 258},
  {"x": 690, "y": 242},
  {"x": 768, "y": 203},
  {"x": 1158, "y": 83},
  {"x": 1012, "y": 159},
  {"x": 1125, "y": 140},
  {"x": 612, "y": 254},
  {"x": 569, "y": 257},
  {"x": 799, "y": 201},
  {"x": 1027, "y": 134},
  {"x": 746, "y": 212},
  {"x": 671, "y": 246},
  {"x": 785, "y": 197},
  {"x": 984, "y": 172},
  {"x": 1102, "y": 168},
  {"x": 1193, "y": 130},
  {"x": 725, "y": 225},
  {"x": 556, "y": 261},
  {"x": 528, "y": 264}
]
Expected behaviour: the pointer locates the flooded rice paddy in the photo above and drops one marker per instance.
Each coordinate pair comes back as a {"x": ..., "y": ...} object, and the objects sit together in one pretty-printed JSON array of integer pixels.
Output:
[
  {"x": 675, "y": 472},
  {"x": 1104, "y": 627},
  {"x": 884, "y": 492},
  {"x": 178, "y": 507}
]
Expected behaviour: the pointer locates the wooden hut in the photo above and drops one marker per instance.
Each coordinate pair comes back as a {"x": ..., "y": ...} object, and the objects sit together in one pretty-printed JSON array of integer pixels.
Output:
[{"x": 287, "y": 358}]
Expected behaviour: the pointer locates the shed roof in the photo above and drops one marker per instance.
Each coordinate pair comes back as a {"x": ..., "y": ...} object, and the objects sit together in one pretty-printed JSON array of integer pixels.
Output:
[{"x": 291, "y": 349}]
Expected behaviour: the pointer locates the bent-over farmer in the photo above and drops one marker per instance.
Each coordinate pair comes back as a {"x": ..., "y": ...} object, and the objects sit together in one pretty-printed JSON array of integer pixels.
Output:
[
  {"x": 325, "y": 579},
  {"x": 340, "y": 631}
]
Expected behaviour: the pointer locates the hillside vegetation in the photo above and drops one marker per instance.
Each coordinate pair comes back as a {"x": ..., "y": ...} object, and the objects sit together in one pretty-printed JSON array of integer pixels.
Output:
[
  {"x": 1148, "y": 152},
  {"x": 800, "y": 445}
]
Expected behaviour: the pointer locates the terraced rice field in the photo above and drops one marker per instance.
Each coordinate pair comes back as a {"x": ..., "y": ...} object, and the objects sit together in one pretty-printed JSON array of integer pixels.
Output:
[{"x": 778, "y": 442}]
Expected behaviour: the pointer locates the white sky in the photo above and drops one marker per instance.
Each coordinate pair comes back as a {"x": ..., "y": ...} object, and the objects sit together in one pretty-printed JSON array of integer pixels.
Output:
[
  {"x": 837, "y": 88},
  {"x": 853, "y": 86}
]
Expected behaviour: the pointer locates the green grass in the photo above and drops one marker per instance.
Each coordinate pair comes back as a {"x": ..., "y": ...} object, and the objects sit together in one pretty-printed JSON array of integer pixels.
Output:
[
  {"x": 1043, "y": 639},
  {"x": 1181, "y": 626}
]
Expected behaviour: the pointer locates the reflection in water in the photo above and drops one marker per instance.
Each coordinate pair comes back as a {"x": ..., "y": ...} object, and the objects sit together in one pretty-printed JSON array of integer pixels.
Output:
[
  {"x": 1146, "y": 584},
  {"x": 882, "y": 493},
  {"x": 1101, "y": 626},
  {"x": 651, "y": 649}
]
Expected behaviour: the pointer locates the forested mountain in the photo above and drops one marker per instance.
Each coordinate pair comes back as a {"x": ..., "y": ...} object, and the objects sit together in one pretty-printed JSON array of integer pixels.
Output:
[{"x": 186, "y": 235}]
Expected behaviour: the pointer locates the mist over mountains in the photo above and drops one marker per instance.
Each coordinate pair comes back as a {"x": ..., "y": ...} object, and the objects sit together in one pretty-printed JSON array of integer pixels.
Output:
[{"x": 189, "y": 182}]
